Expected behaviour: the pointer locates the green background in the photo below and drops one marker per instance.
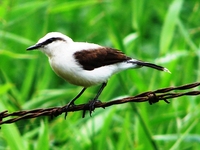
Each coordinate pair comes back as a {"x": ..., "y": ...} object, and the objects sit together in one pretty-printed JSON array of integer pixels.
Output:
[{"x": 162, "y": 32}]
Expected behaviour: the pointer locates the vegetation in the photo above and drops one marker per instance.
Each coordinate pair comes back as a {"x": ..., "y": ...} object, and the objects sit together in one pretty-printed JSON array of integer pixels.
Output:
[{"x": 162, "y": 32}]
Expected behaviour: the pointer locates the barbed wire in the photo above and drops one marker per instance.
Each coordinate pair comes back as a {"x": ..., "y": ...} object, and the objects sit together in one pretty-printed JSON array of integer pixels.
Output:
[{"x": 150, "y": 96}]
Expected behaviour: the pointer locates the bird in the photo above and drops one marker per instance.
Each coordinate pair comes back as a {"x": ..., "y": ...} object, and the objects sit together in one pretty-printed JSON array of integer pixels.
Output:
[{"x": 85, "y": 64}]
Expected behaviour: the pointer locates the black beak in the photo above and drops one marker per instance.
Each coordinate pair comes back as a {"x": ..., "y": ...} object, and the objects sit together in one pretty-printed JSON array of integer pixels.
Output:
[{"x": 34, "y": 47}]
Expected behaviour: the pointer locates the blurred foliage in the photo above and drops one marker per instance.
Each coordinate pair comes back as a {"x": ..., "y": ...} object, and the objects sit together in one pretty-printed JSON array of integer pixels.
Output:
[{"x": 162, "y": 32}]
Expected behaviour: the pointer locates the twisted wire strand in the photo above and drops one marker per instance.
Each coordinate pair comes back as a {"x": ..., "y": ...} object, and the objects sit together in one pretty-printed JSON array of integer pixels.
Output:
[{"x": 150, "y": 96}]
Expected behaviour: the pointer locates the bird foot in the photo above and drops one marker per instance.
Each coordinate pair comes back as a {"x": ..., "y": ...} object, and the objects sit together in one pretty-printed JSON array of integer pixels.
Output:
[
  {"x": 66, "y": 107},
  {"x": 90, "y": 106}
]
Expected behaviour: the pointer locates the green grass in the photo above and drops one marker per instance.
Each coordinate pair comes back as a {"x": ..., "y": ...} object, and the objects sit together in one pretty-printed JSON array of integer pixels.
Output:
[{"x": 162, "y": 32}]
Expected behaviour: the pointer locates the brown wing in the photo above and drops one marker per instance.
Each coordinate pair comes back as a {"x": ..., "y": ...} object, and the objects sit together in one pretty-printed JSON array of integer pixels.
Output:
[{"x": 91, "y": 59}]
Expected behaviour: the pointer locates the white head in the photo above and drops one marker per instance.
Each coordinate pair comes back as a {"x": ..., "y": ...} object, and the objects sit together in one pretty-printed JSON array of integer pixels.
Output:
[{"x": 50, "y": 42}]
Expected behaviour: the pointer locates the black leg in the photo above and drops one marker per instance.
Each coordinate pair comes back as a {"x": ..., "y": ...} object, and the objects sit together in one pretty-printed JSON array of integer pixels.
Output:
[
  {"x": 75, "y": 98},
  {"x": 71, "y": 103},
  {"x": 100, "y": 91},
  {"x": 93, "y": 101}
]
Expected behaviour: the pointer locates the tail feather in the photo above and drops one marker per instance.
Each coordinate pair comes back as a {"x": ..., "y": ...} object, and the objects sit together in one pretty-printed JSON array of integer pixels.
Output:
[{"x": 154, "y": 66}]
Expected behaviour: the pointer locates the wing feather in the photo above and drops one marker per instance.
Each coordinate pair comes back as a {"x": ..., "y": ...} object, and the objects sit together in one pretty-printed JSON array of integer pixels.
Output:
[{"x": 95, "y": 58}]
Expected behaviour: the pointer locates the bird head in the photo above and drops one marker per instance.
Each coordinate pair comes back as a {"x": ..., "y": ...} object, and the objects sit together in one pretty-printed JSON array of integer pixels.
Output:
[{"x": 51, "y": 42}]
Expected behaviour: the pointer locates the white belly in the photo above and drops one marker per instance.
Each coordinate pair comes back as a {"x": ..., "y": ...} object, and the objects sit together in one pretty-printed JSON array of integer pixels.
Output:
[{"x": 74, "y": 74}]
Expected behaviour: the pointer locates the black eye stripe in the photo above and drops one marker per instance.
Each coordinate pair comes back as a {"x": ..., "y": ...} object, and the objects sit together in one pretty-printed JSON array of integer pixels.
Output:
[{"x": 48, "y": 41}]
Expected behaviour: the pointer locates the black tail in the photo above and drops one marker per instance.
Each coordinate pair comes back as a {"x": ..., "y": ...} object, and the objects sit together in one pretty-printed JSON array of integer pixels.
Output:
[{"x": 146, "y": 64}]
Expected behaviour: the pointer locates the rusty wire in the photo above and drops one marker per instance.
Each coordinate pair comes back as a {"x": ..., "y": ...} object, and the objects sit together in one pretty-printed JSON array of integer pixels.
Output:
[{"x": 150, "y": 96}]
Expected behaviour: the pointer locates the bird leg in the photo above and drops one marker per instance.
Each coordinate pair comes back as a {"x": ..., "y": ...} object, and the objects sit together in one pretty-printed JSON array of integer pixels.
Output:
[
  {"x": 100, "y": 91},
  {"x": 75, "y": 98},
  {"x": 91, "y": 103},
  {"x": 71, "y": 103}
]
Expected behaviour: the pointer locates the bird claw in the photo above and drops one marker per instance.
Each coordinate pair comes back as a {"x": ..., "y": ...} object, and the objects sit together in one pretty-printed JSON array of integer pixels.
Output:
[
  {"x": 90, "y": 106},
  {"x": 65, "y": 108}
]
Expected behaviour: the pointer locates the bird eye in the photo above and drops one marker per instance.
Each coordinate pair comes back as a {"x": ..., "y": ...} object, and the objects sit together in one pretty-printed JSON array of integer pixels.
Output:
[
  {"x": 48, "y": 41},
  {"x": 51, "y": 40}
]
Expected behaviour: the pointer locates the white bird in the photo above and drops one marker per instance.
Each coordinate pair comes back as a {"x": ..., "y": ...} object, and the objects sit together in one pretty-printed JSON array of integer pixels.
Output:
[{"x": 85, "y": 64}]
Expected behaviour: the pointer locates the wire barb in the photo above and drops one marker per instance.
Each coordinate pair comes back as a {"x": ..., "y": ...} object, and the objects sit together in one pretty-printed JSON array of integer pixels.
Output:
[{"x": 150, "y": 96}]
